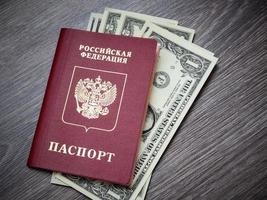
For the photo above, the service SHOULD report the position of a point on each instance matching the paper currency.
(94, 22)
(181, 31)
(111, 19)
(181, 72)
(142, 194)
(192, 65)
(132, 24)
(55, 180)
(152, 26)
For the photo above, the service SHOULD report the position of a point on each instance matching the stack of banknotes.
(181, 71)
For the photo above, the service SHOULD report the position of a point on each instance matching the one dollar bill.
(132, 24)
(141, 195)
(181, 31)
(94, 22)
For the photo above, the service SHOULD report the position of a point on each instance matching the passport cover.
(94, 106)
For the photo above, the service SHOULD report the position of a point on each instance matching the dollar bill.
(186, 33)
(111, 19)
(181, 31)
(131, 25)
(94, 22)
(153, 26)
(181, 71)
(56, 181)
(142, 194)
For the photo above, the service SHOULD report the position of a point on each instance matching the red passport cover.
(94, 106)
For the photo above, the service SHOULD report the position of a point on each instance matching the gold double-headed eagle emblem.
(94, 96)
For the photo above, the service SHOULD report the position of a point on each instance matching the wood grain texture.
(220, 150)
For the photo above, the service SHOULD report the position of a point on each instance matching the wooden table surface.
(219, 151)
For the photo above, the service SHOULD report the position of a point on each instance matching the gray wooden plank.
(219, 152)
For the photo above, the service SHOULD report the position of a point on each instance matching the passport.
(94, 107)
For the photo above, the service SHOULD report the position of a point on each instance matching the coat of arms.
(94, 96)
